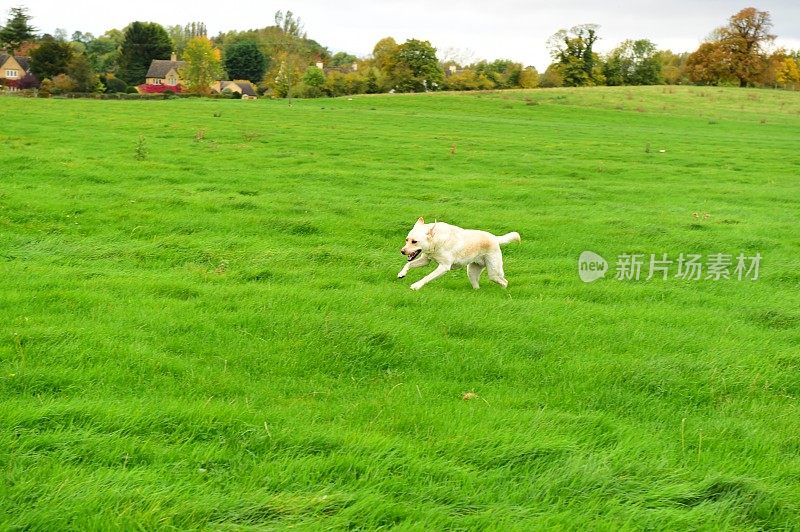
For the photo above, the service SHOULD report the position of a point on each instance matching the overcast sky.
(474, 29)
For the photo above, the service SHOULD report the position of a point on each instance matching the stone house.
(165, 72)
(12, 69)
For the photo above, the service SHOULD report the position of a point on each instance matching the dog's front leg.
(438, 272)
(419, 262)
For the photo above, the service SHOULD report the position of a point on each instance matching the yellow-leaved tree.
(203, 65)
(788, 73)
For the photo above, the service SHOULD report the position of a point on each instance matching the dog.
(453, 247)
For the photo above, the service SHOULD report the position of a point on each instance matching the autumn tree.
(745, 38)
(286, 72)
(17, 30)
(383, 54)
(788, 73)
(673, 66)
(573, 50)
(782, 70)
(142, 42)
(203, 65)
(736, 51)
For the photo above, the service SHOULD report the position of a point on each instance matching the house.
(12, 69)
(164, 72)
(245, 88)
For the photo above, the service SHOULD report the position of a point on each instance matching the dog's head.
(418, 240)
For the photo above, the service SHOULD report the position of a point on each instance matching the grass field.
(212, 334)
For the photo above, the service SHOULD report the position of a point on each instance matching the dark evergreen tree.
(17, 30)
(143, 42)
(244, 60)
(51, 58)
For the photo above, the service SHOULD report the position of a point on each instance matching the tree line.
(280, 59)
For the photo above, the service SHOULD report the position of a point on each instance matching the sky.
(465, 30)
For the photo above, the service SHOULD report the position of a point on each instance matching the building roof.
(159, 68)
(23, 61)
(247, 88)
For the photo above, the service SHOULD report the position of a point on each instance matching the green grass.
(214, 336)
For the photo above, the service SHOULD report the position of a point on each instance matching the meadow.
(202, 325)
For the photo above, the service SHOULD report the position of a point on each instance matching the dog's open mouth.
(414, 255)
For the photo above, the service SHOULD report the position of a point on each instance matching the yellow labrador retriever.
(453, 247)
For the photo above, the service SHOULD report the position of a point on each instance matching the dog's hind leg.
(494, 265)
(474, 273)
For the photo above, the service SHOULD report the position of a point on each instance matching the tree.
(342, 59)
(313, 79)
(143, 42)
(17, 30)
(633, 63)
(203, 65)
(61, 84)
(788, 72)
(745, 38)
(551, 77)
(416, 67)
(290, 24)
(285, 74)
(180, 35)
(573, 50)
(468, 79)
(244, 60)
(735, 51)
(80, 70)
(103, 51)
(50, 59)
(709, 64)
(528, 78)
(383, 54)
(673, 66)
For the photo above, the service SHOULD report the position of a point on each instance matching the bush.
(115, 85)
(132, 90)
(63, 84)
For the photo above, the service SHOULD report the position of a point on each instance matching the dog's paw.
(416, 286)
(401, 275)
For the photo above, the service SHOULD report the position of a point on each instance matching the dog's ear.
(420, 221)
(430, 231)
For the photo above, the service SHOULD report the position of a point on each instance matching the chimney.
(173, 57)
(452, 69)
(355, 66)
(319, 65)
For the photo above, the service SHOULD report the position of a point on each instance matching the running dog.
(453, 247)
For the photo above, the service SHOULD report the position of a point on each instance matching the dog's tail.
(509, 237)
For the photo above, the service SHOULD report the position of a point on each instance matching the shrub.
(63, 84)
(147, 88)
(115, 85)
